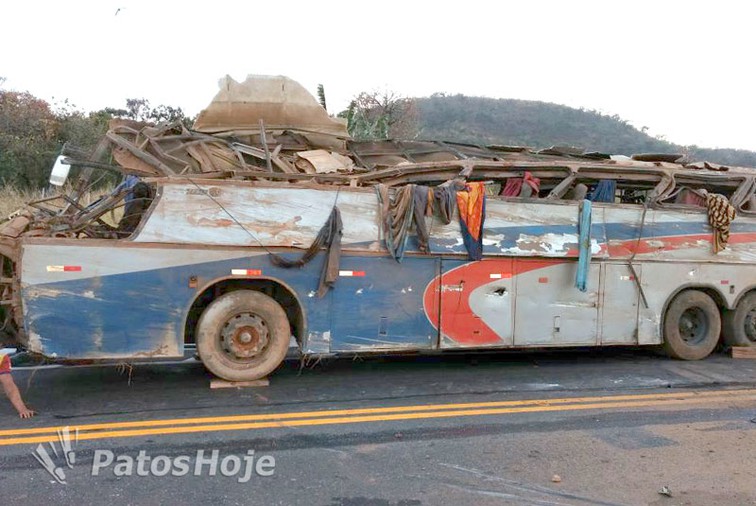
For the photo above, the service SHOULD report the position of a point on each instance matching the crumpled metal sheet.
(170, 149)
(320, 161)
(281, 103)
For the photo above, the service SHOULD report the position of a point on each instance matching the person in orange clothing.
(11, 390)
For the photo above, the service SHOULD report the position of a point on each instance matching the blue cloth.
(584, 246)
(128, 182)
(604, 191)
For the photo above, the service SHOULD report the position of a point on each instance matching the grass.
(12, 199)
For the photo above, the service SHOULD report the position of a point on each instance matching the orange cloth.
(470, 204)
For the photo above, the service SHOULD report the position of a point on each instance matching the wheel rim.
(244, 337)
(750, 325)
(693, 326)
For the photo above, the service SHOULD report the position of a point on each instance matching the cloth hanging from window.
(396, 217)
(721, 213)
(328, 237)
(584, 246)
(422, 207)
(472, 210)
(445, 200)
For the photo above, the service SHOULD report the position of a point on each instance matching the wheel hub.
(693, 325)
(245, 335)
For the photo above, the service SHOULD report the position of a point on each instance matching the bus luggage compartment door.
(550, 310)
(619, 304)
(476, 300)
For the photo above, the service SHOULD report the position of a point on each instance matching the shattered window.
(618, 188)
(527, 184)
(690, 192)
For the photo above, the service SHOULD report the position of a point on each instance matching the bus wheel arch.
(691, 324)
(275, 289)
(243, 335)
(739, 324)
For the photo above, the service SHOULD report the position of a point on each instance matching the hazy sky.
(683, 69)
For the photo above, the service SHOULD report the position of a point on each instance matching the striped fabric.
(721, 213)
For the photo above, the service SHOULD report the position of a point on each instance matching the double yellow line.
(364, 415)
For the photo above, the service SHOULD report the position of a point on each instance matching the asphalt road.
(605, 427)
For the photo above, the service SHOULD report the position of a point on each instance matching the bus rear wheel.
(243, 336)
(691, 326)
(740, 324)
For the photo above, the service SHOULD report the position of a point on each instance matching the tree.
(321, 97)
(381, 115)
(139, 109)
(28, 139)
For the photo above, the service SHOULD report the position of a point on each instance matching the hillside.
(539, 124)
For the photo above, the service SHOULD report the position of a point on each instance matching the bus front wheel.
(740, 324)
(691, 326)
(243, 335)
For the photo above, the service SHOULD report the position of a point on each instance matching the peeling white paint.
(97, 339)
(35, 342)
(552, 243)
(359, 292)
(312, 293)
(459, 242)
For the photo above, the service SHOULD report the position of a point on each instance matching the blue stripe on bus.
(142, 313)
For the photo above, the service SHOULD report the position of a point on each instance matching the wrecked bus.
(239, 236)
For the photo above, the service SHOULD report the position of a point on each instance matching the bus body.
(146, 295)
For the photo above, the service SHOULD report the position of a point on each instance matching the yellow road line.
(750, 397)
(369, 411)
(360, 411)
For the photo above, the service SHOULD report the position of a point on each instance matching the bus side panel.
(550, 310)
(477, 303)
(128, 301)
(82, 313)
(661, 280)
(541, 228)
(619, 304)
(378, 304)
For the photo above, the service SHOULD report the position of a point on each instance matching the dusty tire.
(243, 335)
(739, 325)
(691, 326)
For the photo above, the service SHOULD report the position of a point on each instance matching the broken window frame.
(738, 185)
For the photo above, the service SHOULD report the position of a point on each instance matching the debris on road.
(556, 479)
(216, 383)
(665, 491)
(743, 352)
